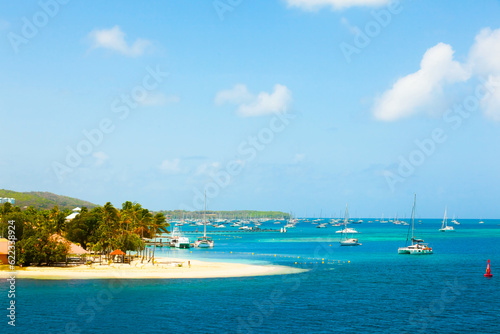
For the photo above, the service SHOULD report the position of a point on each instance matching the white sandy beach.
(162, 269)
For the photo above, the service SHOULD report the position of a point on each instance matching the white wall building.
(6, 199)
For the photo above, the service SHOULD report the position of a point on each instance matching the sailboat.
(204, 241)
(344, 240)
(177, 240)
(454, 221)
(444, 225)
(417, 246)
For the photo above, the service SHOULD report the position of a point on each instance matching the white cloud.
(311, 5)
(171, 166)
(484, 56)
(100, 157)
(237, 95)
(262, 104)
(423, 87)
(411, 93)
(114, 39)
(484, 60)
(207, 168)
(491, 103)
(158, 100)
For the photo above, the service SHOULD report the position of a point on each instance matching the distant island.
(235, 214)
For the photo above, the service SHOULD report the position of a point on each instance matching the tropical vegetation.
(40, 234)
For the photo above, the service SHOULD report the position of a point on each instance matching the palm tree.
(142, 219)
(158, 225)
(56, 220)
(110, 217)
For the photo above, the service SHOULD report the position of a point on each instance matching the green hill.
(44, 200)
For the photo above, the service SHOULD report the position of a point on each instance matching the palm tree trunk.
(154, 248)
(144, 248)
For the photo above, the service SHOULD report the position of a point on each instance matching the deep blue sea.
(364, 289)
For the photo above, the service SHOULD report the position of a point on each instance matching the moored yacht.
(344, 239)
(177, 240)
(417, 246)
(444, 225)
(347, 230)
(204, 241)
(454, 221)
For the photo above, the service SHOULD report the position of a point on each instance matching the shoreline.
(164, 268)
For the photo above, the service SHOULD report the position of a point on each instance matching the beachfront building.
(7, 200)
(76, 212)
(76, 254)
(4, 250)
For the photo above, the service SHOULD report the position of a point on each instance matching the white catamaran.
(204, 241)
(444, 225)
(417, 246)
(344, 239)
(178, 240)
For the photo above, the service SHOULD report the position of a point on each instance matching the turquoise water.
(365, 289)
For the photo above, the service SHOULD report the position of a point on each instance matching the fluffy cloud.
(421, 88)
(208, 168)
(484, 56)
(256, 105)
(311, 5)
(114, 39)
(171, 166)
(484, 60)
(437, 69)
(491, 103)
(239, 94)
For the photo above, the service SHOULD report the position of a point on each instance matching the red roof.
(117, 252)
(73, 249)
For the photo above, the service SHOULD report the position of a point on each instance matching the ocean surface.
(364, 289)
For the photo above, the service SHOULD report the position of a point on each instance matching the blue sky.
(292, 105)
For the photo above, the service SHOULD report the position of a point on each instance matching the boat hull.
(350, 244)
(420, 252)
(204, 245)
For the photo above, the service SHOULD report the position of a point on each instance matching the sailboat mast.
(413, 218)
(445, 218)
(204, 219)
(346, 220)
